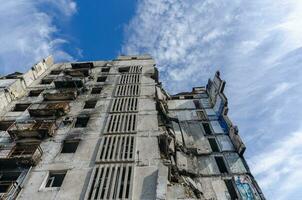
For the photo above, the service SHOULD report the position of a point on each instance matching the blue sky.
(257, 45)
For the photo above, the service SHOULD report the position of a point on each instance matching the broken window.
(55, 72)
(55, 179)
(221, 164)
(20, 107)
(96, 90)
(82, 121)
(35, 93)
(105, 69)
(46, 81)
(102, 79)
(189, 97)
(123, 69)
(4, 125)
(90, 104)
(207, 128)
(82, 65)
(214, 145)
(23, 150)
(201, 115)
(7, 180)
(70, 146)
(231, 189)
(197, 105)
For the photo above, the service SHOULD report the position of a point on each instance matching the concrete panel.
(235, 163)
(181, 104)
(216, 127)
(225, 143)
(207, 165)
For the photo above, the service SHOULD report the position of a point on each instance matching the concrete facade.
(108, 130)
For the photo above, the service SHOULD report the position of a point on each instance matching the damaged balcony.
(49, 109)
(25, 154)
(61, 95)
(81, 72)
(38, 129)
(11, 183)
(69, 82)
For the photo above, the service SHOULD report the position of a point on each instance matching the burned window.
(175, 97)
(207, 128)
(20, 107)
(34, 93)
(101, 78)
(70, 146)
(4, 125)
(90, 104)
(214, 145)
(97, 90)
(221, 164)
(105, 69)
(188, 97)
(7, 180)
(55, 72)
(23, 150)
(46, 81)
(82, 65)
(55, 179)
(81, 121)
(123, 69)
(231, 189)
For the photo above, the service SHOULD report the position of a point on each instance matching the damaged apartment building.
(108, 130)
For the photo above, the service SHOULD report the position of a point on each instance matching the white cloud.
(27, 32)
(257, 45)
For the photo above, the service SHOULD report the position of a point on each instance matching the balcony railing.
(25, 154)
(38, 129)
(61, 95)
(49, 109)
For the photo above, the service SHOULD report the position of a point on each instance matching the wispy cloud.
(28, 31)
(257, 45)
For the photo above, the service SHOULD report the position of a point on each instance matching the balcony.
(236, 140)
(25, 154)
(11, 183)
(49, 109)
(61, 95)
(69, 82)
(31, 129)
